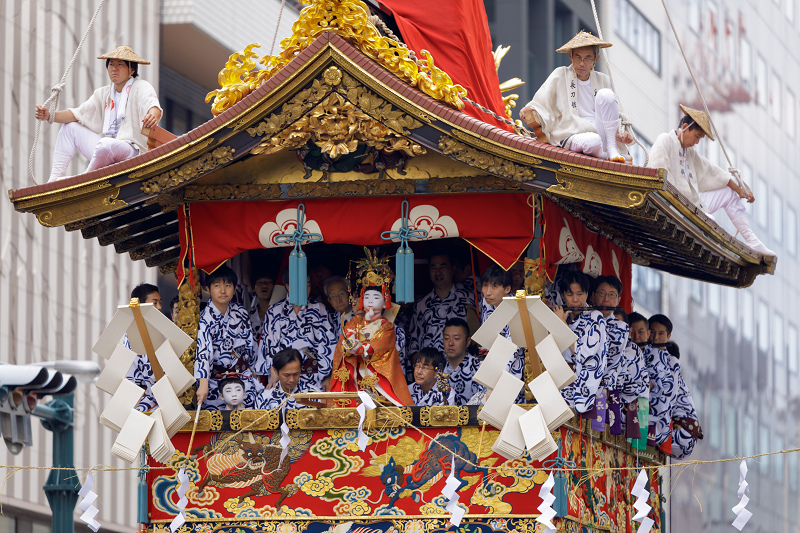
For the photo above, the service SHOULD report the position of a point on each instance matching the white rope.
(277, 27)
(624, 121)
(734, 171)
(52, 103)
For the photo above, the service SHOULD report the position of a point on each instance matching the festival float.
(348, 136)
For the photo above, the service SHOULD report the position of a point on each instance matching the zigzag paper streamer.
(547, 513)
(183, 486)
(742, 514)
(366, 405)
(285, 440)
(450, 492)
(642, 507)
(87, 503)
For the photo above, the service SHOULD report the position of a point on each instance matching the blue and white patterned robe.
(616, 341)
(141, 374)
(309, 332)
(662, 393)
(682, 441)
(461, 382)
(516, 366)
(589, 360)
(426, 399)
(273, 398)
(218, 337)
(255, 320)
(634, 378)
(430, 315)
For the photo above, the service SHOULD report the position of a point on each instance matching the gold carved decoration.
(215, 422)
(350, 20)
(479, 159)
(444, 415)
(259, 419)
(392, 417)
(236, 420)
(206, 163)
(470, 184)
(324, 418)
(339, 123)
(626, 191)
(188, 320)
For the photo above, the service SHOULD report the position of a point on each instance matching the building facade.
(739, 348)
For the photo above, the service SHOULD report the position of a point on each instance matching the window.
(790, 115)
(730, 39)
(779, 459)
(732, 431)
(763, 326)
(746, 64)
(714, 297)
(732, 309)
(775, 90)
(789, 9)
(749, 434)
(762, 209)
(776, 210)
(763, 447)
(639, 34)
(790, 238)
(747, 315)
(693, 15)
(696, 290)
(791, 348)
(779, 348)
(793, 465)
(713, 31)
(761, 81)
(715, 421)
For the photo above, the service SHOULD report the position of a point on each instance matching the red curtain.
(456, 33)
(566, 240)
(499, 225)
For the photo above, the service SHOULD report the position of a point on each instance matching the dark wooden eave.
(133, 204)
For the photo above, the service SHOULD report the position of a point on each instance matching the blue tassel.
(409, 276)
(298, 272)
(560, 492)
(400, 279)
(404, 259)
(142, 516)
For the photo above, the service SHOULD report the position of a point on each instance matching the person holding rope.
(106, 129)
(576, 108)
(705, 184)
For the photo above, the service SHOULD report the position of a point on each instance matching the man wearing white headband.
(106, 129)
(705, 184)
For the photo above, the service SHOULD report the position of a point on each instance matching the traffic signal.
(20, 389)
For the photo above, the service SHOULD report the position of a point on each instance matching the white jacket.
(142, 97)
(703, 174)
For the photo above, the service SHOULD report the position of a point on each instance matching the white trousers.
(100, 151)
(606, 110)
(724, 198)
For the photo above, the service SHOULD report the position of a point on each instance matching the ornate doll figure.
(232, 388)
(366, 356)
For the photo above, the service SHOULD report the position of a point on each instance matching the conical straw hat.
(124, 53)
(700, 118)
(582, 39)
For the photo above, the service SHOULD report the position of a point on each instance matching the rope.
(376, 21)
(624, 121)
(277, 27)
(734, 171)
(52, 103)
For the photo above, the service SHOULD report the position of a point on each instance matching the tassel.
(560, 492)
(404, 259)
(400, 278)
(298, 272)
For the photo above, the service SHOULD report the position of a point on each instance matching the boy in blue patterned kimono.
(263, 286)
(224, 344)
(686, 430)
(307, 329)
(287, 365)
(662, 384)
(607, 295)
(588, 355)
(427, 363)
(461, 364)
(445, 301)
(140, 372)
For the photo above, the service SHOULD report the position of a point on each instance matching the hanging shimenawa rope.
(52, 103)
(734, 171)
(624, 121)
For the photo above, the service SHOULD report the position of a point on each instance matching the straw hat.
(582, 39)
(700, 118)
(125, 53)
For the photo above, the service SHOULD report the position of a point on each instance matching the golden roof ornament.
(350, 20)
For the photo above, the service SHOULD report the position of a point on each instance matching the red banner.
(499, 225)
(566, 240)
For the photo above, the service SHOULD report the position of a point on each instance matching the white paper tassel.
(742, 514)
(87, 503)
(366, 405)
(547, 513)
(183, 486)
(642, 507)
(450, 492)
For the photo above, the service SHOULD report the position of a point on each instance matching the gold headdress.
(374, 271)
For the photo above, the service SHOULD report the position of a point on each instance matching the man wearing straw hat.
(575, 108)
(106, 128)
(705, 184)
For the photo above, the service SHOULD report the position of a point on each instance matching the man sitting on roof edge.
(106, 129)
(575, 108)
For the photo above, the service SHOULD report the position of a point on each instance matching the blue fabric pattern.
(310, 332)
(616, 341)
(461, 379)
(634, 379)
(273, 398)
(141, 374)
(662, 393)
(682, 441)
(430, 315)
(425, 399)
(589, 360)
